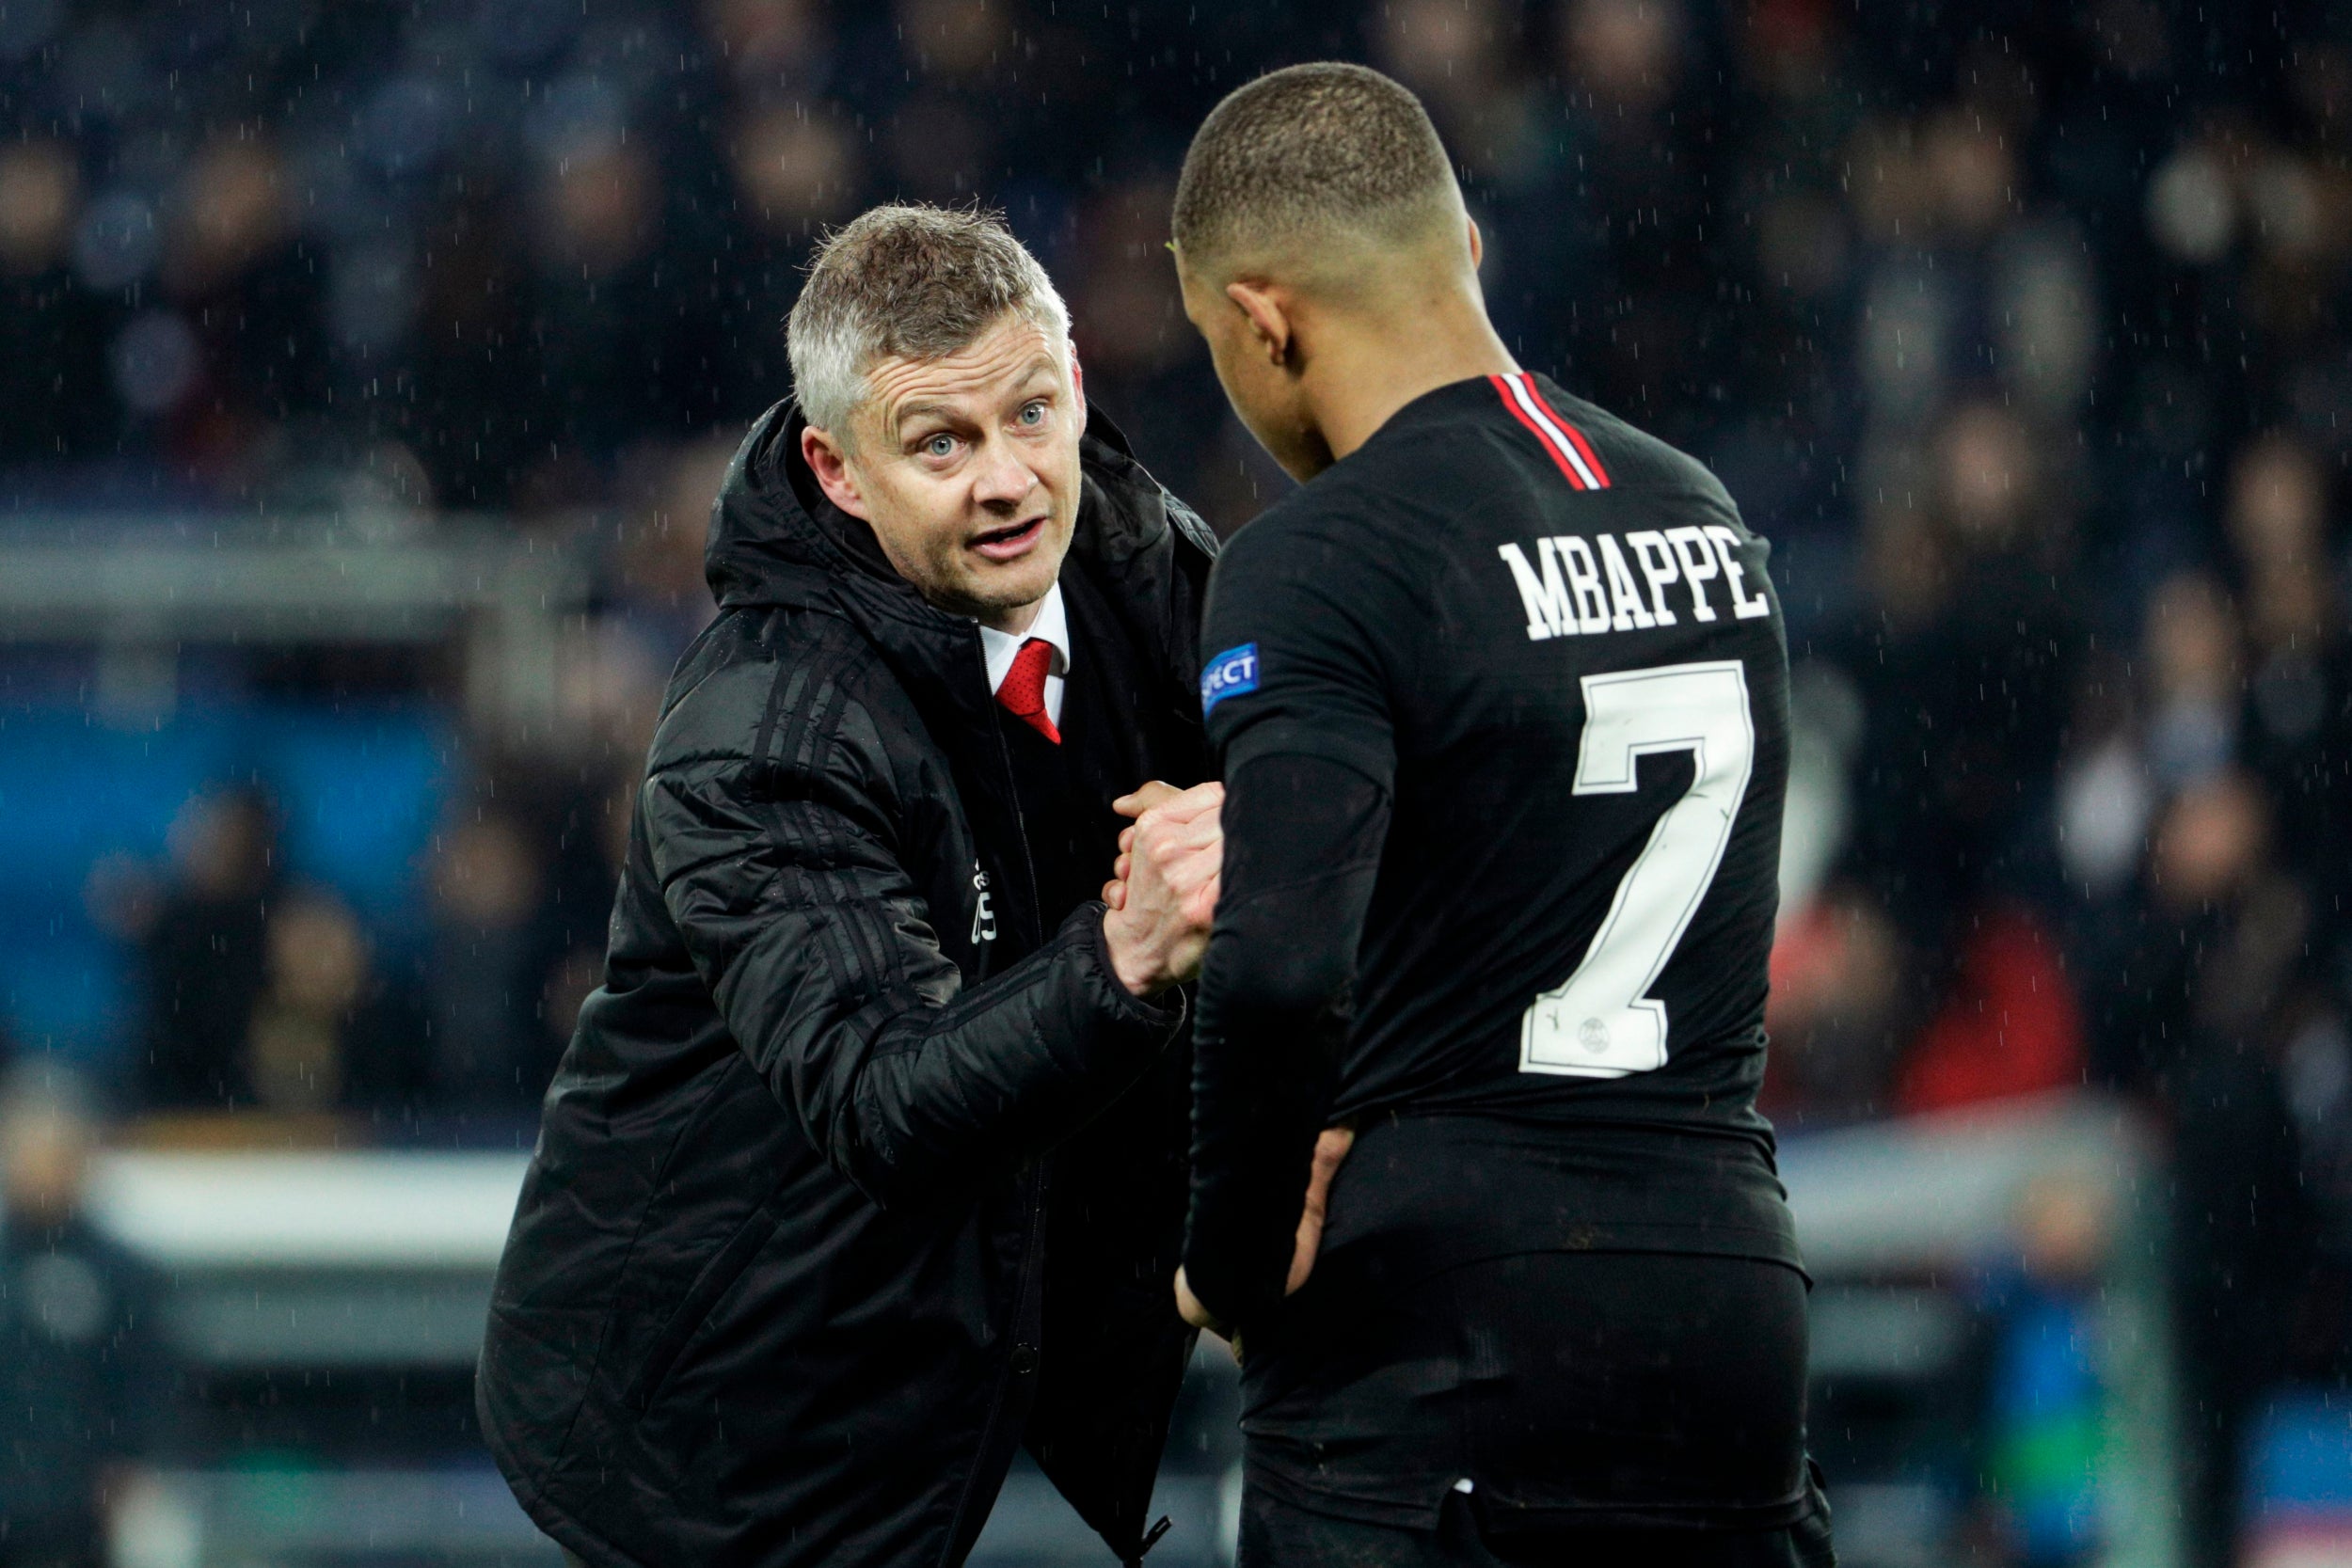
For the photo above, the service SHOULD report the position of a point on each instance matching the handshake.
(1163, 889)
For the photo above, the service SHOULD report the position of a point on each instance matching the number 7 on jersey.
(1601, 1021)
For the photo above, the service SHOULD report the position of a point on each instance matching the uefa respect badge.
(1229, 674)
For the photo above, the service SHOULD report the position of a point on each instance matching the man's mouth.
(1010, 542)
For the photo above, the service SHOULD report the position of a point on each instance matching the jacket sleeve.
(816, 945)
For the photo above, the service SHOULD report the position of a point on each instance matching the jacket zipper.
(1028, 1307)
(1000, 1434)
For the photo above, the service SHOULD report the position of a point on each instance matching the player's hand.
(1331, 1146)
(1189, 1308)
(1161, 897)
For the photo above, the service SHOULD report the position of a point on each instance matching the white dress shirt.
(1053, 624)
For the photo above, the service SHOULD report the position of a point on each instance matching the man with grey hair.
(866, 1165)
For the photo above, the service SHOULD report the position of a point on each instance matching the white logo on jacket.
(983, 912)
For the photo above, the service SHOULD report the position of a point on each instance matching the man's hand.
(1163, 889)
(1331, 1146)
(1189, 1308)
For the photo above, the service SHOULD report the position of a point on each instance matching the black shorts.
(1279, 1534)
(1575, 1390)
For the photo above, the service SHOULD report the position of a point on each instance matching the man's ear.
(1477, 244)
(1078, 384)
(827, 461)
(1269, 318)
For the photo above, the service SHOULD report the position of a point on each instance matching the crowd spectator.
(2200, 1003)
(481, 976)
(85, 1381)
(2043, 1378)
(330, 1032)
(1838, 1012)
(205, 950)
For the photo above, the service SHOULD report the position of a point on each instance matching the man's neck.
(1012, 622)
(1365, 368)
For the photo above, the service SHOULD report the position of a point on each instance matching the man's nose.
(1003, 480)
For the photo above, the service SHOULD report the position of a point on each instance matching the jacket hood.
(776, 540)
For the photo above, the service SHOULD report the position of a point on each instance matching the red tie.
(1023, 693)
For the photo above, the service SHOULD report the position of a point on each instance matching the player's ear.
(1269, 322)
(1477, 244)
(831, 465)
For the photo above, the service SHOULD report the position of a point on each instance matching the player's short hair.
(910, 281)
(1310, 152)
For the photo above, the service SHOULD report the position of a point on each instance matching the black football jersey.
(1553, 643)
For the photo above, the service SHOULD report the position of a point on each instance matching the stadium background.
(365, 373)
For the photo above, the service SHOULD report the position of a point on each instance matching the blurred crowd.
(2020, 329)
(264, 993)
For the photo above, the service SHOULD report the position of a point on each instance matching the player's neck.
(1365, 371)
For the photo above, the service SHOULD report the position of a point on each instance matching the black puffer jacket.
(808, 1244)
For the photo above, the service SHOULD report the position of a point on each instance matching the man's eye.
(1033, 414)
(940, 446)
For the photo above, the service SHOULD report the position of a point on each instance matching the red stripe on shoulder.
(1559, 458)
(1583, 448)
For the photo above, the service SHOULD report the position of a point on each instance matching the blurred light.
(64, 1296)
(764, 40)
(38, 192)
(154, 1525)
(1441, 48)
(1985, 475)
(389, 496)
(598, 209)
(2104, 805)
(228, 209)
(117, 242)
(956, 38)
(1973, 176)
(796, 169)
(155, 361)
(2189, 208)
(1626, 52)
